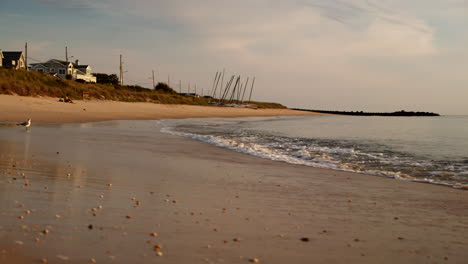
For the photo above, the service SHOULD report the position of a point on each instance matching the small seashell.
(45, 231)
(92, 260)
(21, 217)
(62, 257)
(174, 201)
(109, 185)
(44, 260)
(138, 203)
(18, 242)
(154, 234)
(128, 216)
(236, 239)
(157, 247)
(254, 260)
(159, 254)
(37, 240)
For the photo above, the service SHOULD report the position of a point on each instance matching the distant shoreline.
(361, 113)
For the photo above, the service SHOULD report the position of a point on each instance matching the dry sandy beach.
(122, 192)
(50, 110)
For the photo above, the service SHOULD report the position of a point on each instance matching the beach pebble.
(92, 260)
(90, 227)
(45, 231)
(154, 234)
(128, 217)
(157, 247)
(138, 203)
(159, 254)
(62, 257)
(18, 242)
(37, 240)
(109, 185)
(305, 239)
(21, 217)
(44, 260)
(254, 260)
(236, 239)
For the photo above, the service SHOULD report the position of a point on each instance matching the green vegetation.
(27, 83)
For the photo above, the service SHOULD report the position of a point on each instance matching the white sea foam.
(299, 152)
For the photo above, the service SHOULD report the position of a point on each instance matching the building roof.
(54, 62)
(12, 55)
(9, 56)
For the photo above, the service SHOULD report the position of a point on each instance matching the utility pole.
(121, 71)
(26, 55)
(180, 86)
(66, 54)
(153, 81)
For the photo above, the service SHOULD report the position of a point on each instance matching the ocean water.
(424, 149)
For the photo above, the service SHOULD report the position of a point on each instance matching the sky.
(369, 55)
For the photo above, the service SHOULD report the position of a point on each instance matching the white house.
(62, 69)
(13, 60)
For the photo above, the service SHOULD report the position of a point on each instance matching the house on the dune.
(13, 59)
(64, 69)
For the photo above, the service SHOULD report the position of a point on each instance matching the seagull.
(25, 124)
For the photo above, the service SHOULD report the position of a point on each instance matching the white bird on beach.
(25, 124)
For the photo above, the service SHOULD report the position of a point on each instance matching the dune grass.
(28, 83)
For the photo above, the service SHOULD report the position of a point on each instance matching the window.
(40, 70)
(13, 62)
(61, 71)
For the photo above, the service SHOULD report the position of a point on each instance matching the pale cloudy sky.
(372, 55)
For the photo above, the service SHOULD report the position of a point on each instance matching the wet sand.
(101, 190)
(50, 110)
